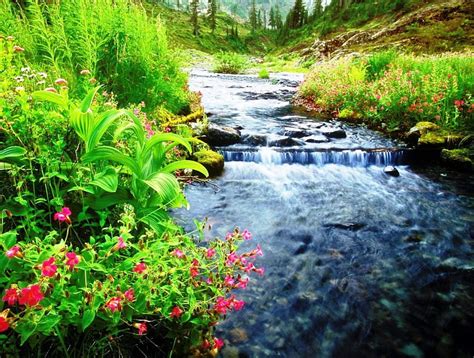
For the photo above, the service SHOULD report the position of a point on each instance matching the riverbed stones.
(391, 171)
(315, 138)
(220, 136)
(283, 142)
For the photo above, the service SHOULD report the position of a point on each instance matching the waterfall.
(357, 157)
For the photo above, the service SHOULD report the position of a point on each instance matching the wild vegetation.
(396, 91)
(93, 264)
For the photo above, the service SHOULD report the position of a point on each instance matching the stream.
(357, 263)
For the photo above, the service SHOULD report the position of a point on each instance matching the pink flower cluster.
(222, 304)
(28, 296)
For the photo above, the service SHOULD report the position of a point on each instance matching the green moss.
(425, 127)
(213, 161)
(432, 139)
(461, 159)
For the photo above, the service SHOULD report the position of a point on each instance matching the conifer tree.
(211, 13)
(253, 16)
(317, 9)
(278, 19)
(194, 16)
(272, 22)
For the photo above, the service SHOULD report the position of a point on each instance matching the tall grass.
(123, 47)
(398, 90)
(230, 62)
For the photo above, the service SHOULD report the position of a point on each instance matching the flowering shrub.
(398, 90)
(91, 262)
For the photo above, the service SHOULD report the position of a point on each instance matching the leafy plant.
(230, 62)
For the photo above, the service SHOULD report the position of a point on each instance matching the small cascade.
(353, 158)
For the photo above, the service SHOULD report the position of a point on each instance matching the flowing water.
(358, 263)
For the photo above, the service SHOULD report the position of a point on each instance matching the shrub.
(91, 260)
(400, 90)
(264, 74)
(115, 41)
(230, 62)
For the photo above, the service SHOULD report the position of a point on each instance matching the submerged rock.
(213, 161)
(217, 135)
(254, 139)
(283, 142)
(315, 139)
(332, 132)
(294, 133)
(392, 171)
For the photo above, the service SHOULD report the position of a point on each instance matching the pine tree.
(211, 13)
(278, 19)
(272, 22)
(298, 14)
(259, 19)
(253, 16)
(264, 20)
(194, 16)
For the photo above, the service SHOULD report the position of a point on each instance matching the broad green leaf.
(88, 99)
(165, 185)
(87, 318)
(113, 155)
(185, 164)
(106, 180)
(101, 124)
(106, 200)
(82, 123)
(165, 137)
(52, 97)
(12, 152)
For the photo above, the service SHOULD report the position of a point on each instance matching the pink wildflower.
(142, 328)
(48, 269)
(242, 283)
(72, 260)
(238, 305)
(229, 281)
(4, 325)
(231, 258)
(218, 343)
(121, 244)
(30, 295)
(210, 253)
(114, 304)
(246, 235)
(178, 253)
(129, 295)
(140, 267)
(63, 215)
(13, 252)
(176, 312)
(11, 296)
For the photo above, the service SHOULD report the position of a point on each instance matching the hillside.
(425, 27)
(179, 30)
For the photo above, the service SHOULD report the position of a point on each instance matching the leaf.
(25, 328)
(87, 318)
(106, 180)
(88, 99)
(185, 164)
(156, 219)
(82, 123)
(165, 185)
(12, 152)
(112, 154)
(52, 97)
(165, 137)
(106, 200)
(102, 123)
(47, 323)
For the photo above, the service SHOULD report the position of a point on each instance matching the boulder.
(392, 171)
(254, 139)
(217, 135)
(294, 133)
(283, 142)
(332, 132)
(213, 161)
(432, 140)
(315, 139)
(421, 128)
(460, 159)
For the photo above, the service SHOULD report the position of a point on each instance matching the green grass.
(230, 62)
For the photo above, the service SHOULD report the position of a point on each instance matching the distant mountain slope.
(427, 27)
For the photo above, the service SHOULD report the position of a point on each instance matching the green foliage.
(230, 62)
(264, 74)
(90, 254)
(400, 90)
(115, 41)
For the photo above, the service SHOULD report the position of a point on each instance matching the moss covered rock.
(432, 140)
(460, 159)
(421, 129)
(213, 161)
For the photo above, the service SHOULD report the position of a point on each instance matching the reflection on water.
(358, 263)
